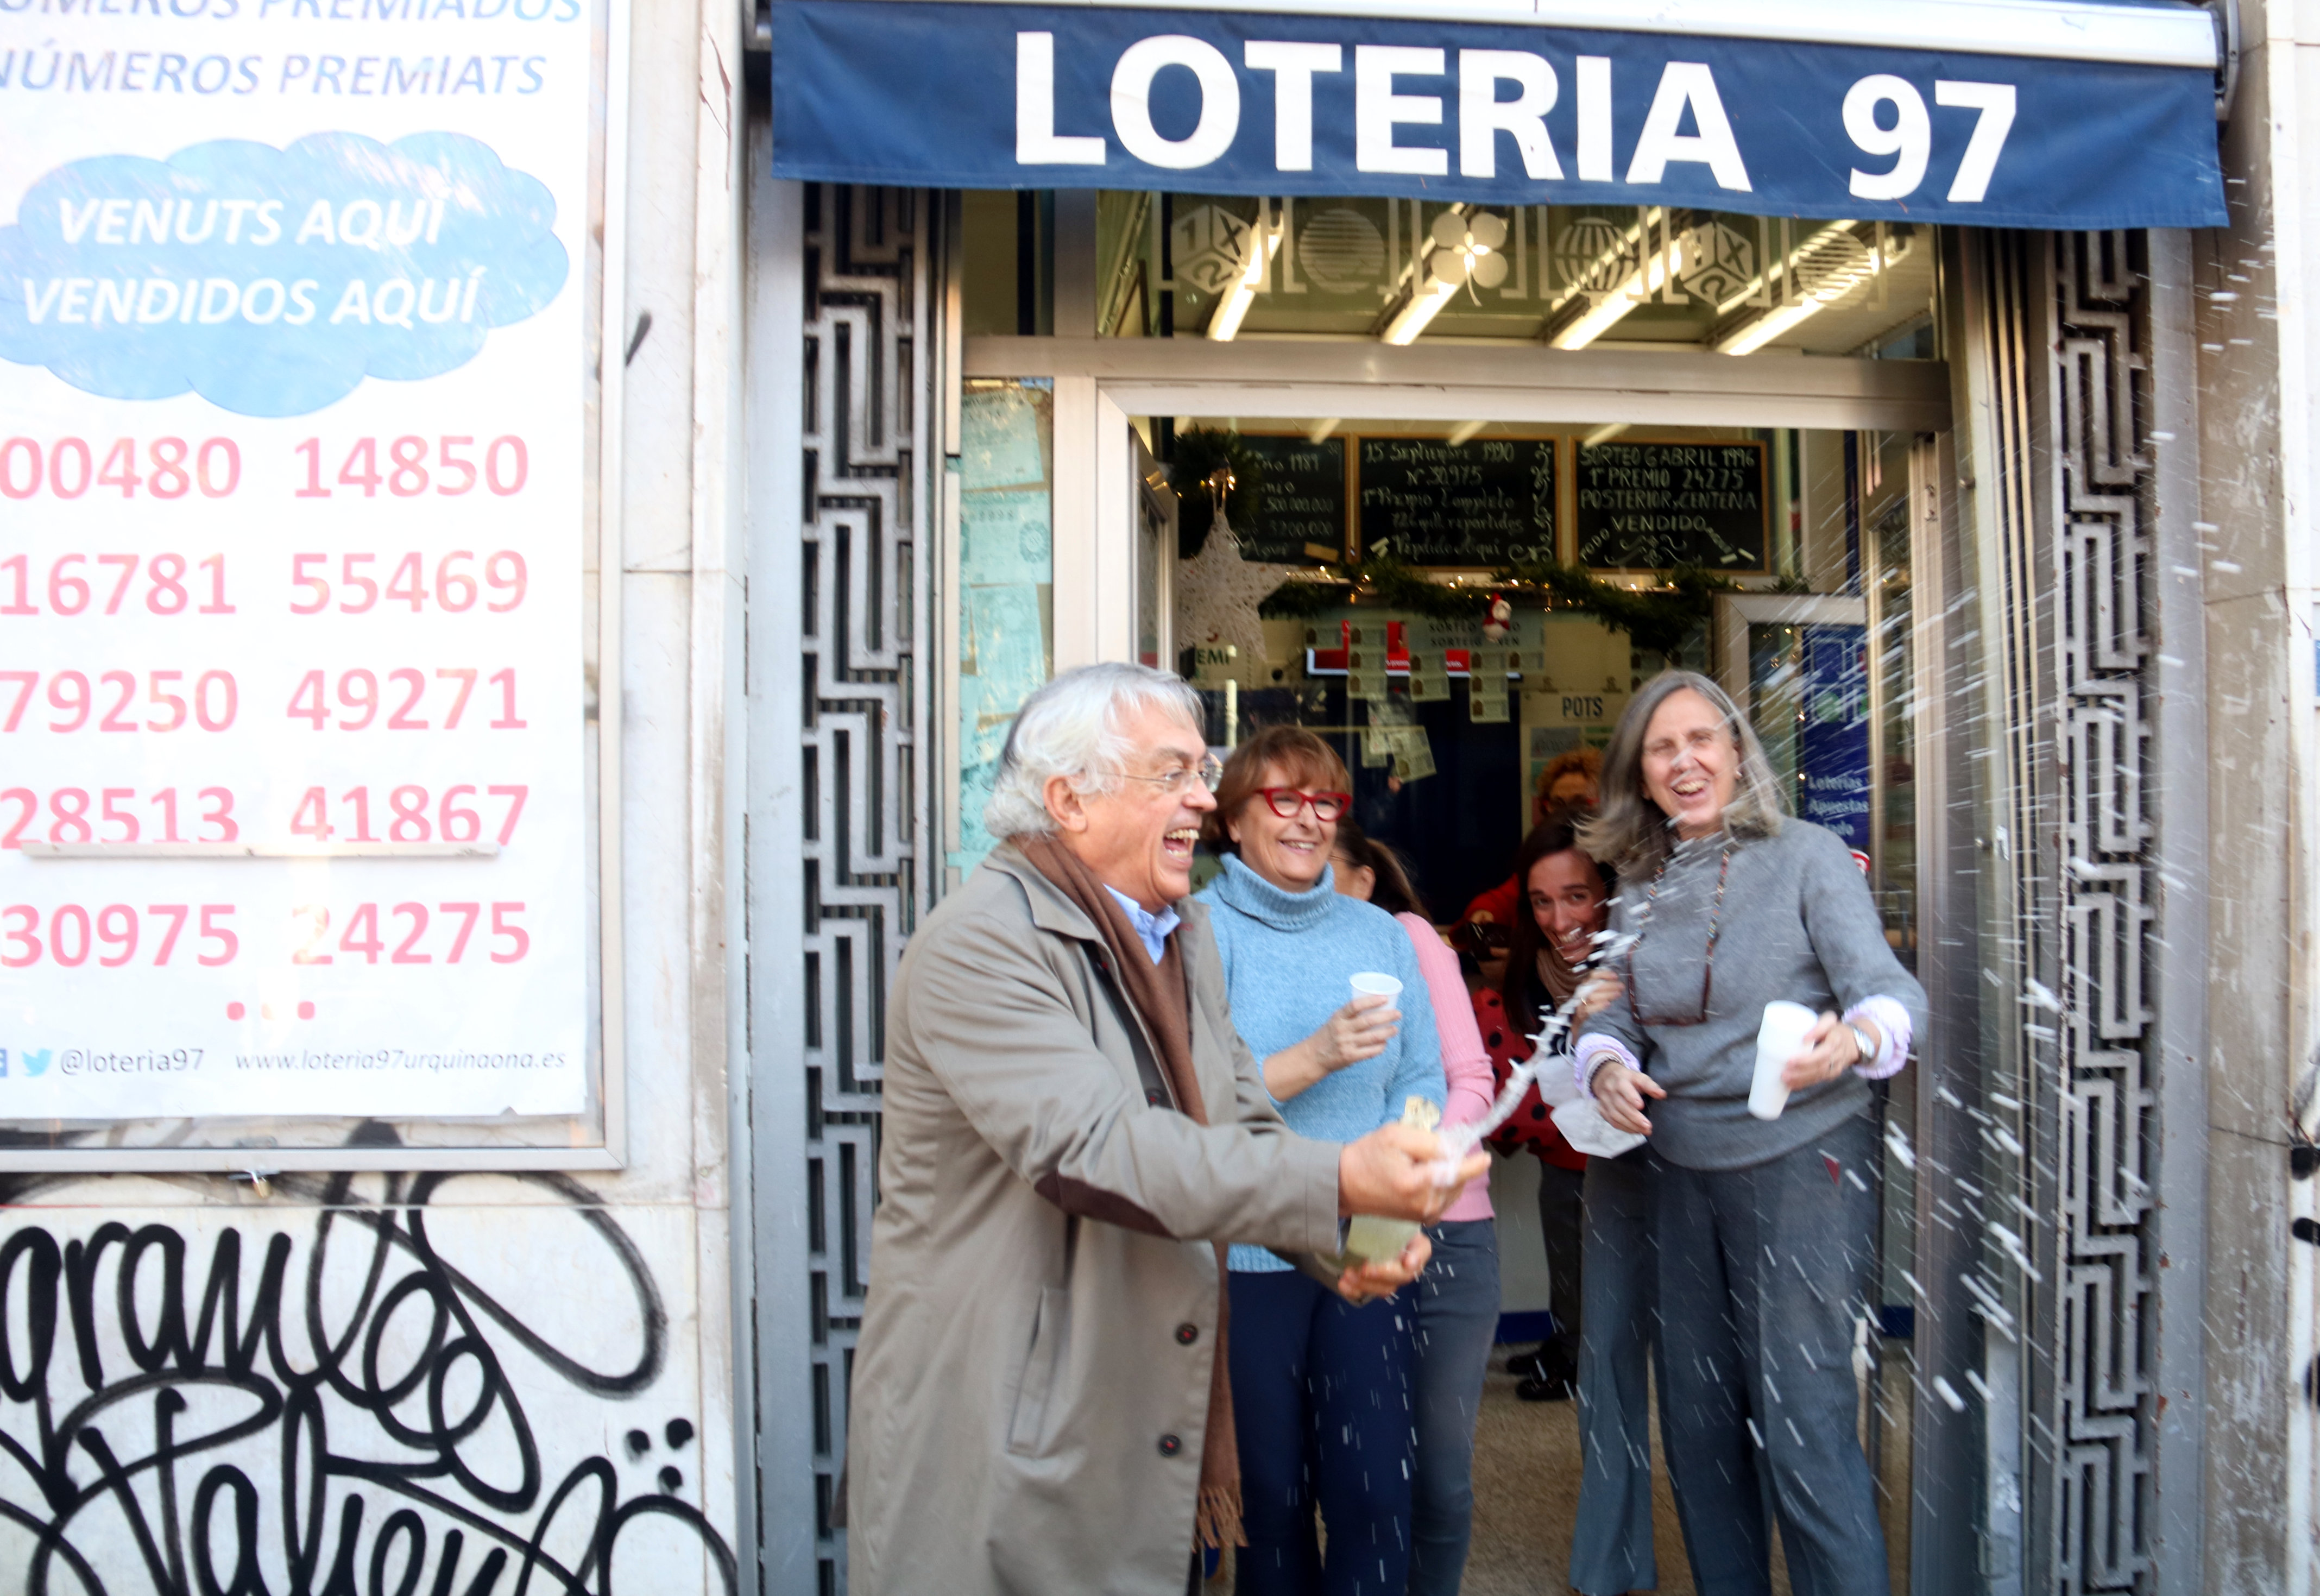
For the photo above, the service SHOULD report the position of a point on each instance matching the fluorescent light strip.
(1427, 300)
(1608, 312)
(1464, 430)
(1232, 310)
(1774, 323)
(1423, 306)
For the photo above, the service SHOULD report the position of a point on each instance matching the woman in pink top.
(1458, 1295)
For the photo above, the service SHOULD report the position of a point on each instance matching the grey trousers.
(1611, 1543)
(1763, 1272)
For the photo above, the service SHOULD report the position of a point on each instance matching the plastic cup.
(1371, 983)
(1780, 1039)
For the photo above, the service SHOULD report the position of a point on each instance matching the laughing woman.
(1766, 1228)
(1321, 1392)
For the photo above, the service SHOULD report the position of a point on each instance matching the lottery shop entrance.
(1405, 588)
(1347, 489)
(1946, 612)
(1885, 631)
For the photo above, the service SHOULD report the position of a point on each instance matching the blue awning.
(1985, 113)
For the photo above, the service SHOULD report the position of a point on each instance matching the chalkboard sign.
(1648, 506)
(1488, 502)
(1304, 500)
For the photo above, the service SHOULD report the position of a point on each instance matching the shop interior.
(1457, 606)
(1451, 767)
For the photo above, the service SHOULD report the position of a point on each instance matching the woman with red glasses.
(1766, 1226)
(1321, 1393)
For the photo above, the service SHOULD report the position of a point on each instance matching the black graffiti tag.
(238, 1438)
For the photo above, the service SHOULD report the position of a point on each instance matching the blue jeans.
(1321, 1402)
(1457, 1322)
(1763, 1272)
(1611, 1542)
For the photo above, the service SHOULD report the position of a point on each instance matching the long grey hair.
(1629, 831)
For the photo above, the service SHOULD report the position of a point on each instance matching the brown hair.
(1588, 762)
(1558, 833)
(1393, 893)
(1303, 758)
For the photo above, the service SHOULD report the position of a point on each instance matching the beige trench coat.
(1030, 1389)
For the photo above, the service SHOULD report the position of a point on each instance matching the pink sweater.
(1465, 1066)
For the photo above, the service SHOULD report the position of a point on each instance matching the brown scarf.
(1556, 973)
(1161, 996)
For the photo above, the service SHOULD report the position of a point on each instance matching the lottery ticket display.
(293, 363)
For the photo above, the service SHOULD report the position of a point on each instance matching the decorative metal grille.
(2105, 1113)
(863, 419)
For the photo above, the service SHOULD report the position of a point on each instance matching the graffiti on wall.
(360, 1403)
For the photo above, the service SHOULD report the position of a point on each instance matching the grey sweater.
(1798, 923)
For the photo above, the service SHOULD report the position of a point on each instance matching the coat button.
(1187, 1334)
(1170, 1446)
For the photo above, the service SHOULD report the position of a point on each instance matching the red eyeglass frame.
(1272, 796)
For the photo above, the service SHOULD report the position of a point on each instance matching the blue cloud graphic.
(271, 282)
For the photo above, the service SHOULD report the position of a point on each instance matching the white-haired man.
(1073, 1131)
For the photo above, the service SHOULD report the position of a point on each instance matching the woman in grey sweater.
(1766, 1228)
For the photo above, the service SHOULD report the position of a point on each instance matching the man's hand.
(1619, 1092)
(1390, 1172)
(1367, 1282)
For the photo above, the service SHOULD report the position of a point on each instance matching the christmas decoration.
(1218, 594)
(1215, 473)
(1656, 620)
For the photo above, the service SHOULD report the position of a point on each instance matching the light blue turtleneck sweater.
(1288, 958)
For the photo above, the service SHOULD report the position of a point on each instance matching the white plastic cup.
(1780, 1039)
(1371, 983)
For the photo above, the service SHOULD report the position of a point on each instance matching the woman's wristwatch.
(1861, 1044)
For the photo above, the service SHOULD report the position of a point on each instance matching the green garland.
(1382, 580)
(1656, 620)
(1200, 452)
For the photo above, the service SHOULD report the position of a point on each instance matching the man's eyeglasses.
(1209, 772)
(1287, 800)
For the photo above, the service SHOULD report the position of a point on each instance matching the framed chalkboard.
(1304, 499)
(1485, 503)
(1648, 506)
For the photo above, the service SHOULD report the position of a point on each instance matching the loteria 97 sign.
(294, 356)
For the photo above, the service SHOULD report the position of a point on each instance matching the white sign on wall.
(293, 346)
